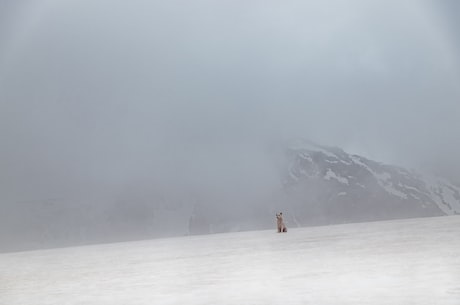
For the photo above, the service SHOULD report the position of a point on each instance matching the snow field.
(414, 261)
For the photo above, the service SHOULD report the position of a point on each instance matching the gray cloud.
(100, 95)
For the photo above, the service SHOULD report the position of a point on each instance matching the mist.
(105, 101)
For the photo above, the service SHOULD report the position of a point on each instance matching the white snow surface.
(414, 261)
(331, 175)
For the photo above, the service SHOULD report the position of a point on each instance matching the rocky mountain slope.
(326, 185)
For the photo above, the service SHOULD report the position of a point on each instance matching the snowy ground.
(396, 262)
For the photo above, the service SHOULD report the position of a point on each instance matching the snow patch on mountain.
(384, 179)
(331, 175)
(445, 194)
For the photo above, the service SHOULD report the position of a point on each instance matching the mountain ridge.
(397, 191)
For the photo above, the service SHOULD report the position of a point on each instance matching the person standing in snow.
(280, 223)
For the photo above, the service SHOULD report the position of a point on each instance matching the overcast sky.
(100, 94)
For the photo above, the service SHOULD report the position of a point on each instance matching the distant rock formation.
(325, 185)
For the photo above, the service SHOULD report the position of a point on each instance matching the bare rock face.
(326, 185)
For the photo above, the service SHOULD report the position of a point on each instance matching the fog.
(107, 100)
